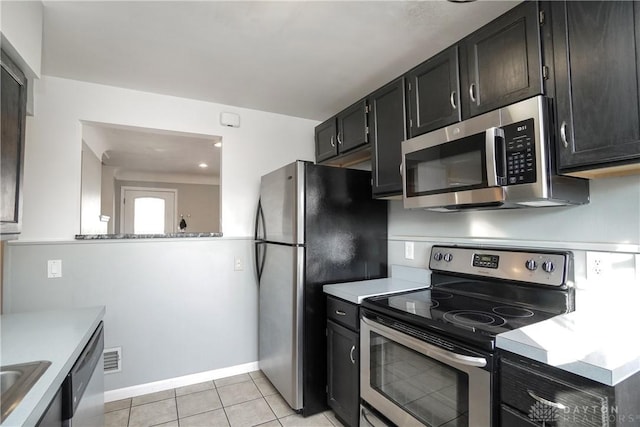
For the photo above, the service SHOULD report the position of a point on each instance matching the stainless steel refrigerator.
(314, 225)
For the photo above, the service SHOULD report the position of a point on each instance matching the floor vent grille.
(112, 360)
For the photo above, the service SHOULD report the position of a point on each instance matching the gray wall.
(200, 201)
(609, 223)
(612, 217)
(176, 307)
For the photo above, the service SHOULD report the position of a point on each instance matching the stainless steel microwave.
(500, 159)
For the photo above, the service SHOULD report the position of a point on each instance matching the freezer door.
(282, 205)
(280, 320)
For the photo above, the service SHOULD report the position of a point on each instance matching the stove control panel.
(485, 260)
(522, 265)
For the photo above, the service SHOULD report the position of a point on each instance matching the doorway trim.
(125, 188)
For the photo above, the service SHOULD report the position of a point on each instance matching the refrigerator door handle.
(260, 259)
(260, 222)
(260, 226)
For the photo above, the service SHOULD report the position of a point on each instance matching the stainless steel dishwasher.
(83, 389)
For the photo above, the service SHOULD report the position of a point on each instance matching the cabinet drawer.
(527, 389)
(343, 312)
(511, 418)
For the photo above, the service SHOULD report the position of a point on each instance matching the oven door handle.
(496, 157)
(429, 349)
(461, 359)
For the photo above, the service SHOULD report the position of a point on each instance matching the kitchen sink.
(15, 383)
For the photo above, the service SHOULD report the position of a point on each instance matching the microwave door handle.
(496, 157)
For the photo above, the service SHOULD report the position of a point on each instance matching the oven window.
(454, 166)
(434, 393)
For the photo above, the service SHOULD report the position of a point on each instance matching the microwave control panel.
(521, 152)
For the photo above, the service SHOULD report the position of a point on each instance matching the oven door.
(413, 382)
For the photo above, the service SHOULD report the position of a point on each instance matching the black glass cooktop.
(459, 313)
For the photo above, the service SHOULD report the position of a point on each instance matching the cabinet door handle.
(472, 92)
(333, 144)
(452, 99)
(563, 134)
(545, 401)
(339, 139)
(401, 169)
(341, 313)
(353, 348)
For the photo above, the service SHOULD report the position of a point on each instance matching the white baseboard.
(138, 390)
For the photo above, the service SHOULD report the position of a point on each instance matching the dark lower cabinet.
(343, 360)
(501, 63)
(536, 394)
(387, 131)
(596, 51)
(13, 94)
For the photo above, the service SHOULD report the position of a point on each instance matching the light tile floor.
(241, 400)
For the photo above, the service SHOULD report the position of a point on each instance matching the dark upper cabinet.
(433, 93)
(387, 131)
(501, 62)
(342, 134)
(12, 127)
(596, 49)
(352, 127)
(498, 65)
(326, 144)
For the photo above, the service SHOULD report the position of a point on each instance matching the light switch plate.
(408, 250)
(54, 268)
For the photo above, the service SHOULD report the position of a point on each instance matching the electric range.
(428, 356)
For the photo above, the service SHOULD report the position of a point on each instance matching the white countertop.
(598, 341)
(56, 336)
(403, 279)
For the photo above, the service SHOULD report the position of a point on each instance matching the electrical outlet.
(408, 250)
(237, 264)
(613, 267)
(598, 265)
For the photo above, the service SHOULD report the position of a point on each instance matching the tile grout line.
(223, 407)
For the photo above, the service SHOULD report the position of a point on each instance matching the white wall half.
(262, 143)
(21, 26)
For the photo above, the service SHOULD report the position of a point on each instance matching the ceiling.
(152, 151)
(300, 58)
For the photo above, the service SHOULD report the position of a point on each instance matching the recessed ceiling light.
(218, 144)
(203, 165)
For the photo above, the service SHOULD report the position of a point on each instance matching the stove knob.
(548, 266)
(531, 265)
(448, 257)
(437, 256)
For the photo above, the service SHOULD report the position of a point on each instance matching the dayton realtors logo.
(599, 415)
(541, 412)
